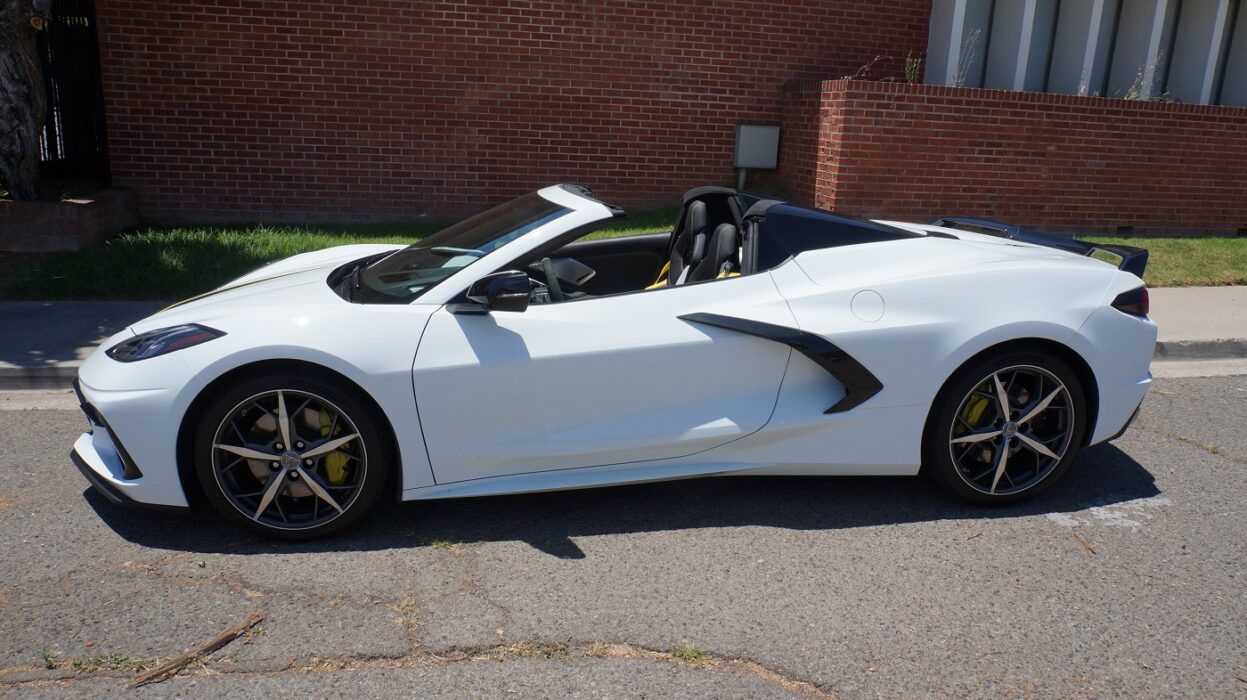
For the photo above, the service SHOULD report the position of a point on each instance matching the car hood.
(297, 280)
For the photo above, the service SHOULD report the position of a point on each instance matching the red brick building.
(1056, 162)
(239, 110)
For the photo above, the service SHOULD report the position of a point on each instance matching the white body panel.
(597, 381)
(619, 389)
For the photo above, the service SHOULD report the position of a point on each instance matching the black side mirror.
(502, 291)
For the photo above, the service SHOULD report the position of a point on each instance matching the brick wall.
(385, 109)
(68, 224)
(1060, 162)
(800, 136)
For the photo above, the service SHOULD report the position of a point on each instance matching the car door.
(597, 381)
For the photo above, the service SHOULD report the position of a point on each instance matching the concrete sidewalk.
(1200, 322)
(44, 342)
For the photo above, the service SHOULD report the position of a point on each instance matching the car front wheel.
(291, 456)
(1005, 427)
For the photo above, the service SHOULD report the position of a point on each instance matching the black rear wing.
(1133, 260)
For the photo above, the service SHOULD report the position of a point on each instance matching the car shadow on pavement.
(550, 522)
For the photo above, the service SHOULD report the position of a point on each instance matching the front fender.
(372, 346)
(375, 353)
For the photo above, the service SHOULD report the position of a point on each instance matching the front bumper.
(102, 477)
(102, 485)
(101, 457)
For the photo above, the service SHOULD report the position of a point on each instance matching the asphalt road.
(1129, 578)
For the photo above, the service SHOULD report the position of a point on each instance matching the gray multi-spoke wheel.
(292, 457)
(1005, 427)
(1012, 429)
(289, 459)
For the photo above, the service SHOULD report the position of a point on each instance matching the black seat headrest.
(690, 247)
(720, 257)
(695, 221)
(725, 242)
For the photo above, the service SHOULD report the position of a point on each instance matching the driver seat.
(690, 247)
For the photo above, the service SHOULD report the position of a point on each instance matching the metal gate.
(74, 142)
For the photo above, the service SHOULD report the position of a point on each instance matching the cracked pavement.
(844, 587)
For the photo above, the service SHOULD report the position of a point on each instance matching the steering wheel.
(552, 280)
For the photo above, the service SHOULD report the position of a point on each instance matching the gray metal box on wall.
(757, 146)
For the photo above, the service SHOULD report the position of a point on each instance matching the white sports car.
(515, 352)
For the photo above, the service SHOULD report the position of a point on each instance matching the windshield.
(402, 276)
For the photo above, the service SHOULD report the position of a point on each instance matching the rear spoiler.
(1133, 260)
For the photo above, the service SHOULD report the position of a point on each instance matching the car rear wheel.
(1005, 427)
(292, 456)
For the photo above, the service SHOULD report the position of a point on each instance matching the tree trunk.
(22, 100)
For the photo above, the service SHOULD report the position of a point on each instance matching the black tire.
(953, 423)
(368, 465)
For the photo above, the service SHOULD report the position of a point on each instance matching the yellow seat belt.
(662, 277)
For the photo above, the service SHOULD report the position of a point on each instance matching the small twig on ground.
(172, 665)
(1083, 541)
(977, 534)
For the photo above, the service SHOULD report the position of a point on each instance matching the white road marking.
(1132, 514)
(1169, 369)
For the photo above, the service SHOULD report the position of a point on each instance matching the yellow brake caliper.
(973, 410)
(335, 462)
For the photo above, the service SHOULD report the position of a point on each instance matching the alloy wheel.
(289, 459)
(1012, 430)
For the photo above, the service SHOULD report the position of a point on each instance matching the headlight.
(161, 341)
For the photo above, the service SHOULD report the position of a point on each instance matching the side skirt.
(579, 478)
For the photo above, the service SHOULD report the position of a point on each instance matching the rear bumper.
(1126, 427)
(1118, 347)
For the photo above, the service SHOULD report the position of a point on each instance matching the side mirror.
(502, 291)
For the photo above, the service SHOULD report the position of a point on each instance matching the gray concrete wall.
(1040, 43)
(1103, 45)
(1234, 87)
(1002, 56)
(1070, 48)
(1131, 58)
(938, 41)
(974, 39)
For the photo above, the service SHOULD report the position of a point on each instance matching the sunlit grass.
(175, 263)
(1190, 262)
(180, 262)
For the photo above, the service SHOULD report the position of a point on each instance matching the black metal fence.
(75, 146)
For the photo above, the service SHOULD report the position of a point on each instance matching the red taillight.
(1133, 302)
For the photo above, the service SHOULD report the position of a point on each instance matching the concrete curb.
(1201, 349)
(28, 378)
(62, 376)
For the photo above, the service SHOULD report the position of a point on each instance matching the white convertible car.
(515, 352)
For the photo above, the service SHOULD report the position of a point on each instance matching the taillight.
(1133, 302)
